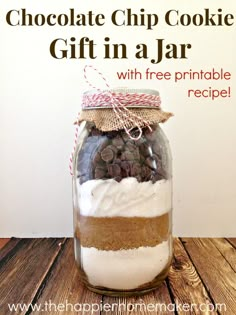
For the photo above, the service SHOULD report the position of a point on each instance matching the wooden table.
(43, 271)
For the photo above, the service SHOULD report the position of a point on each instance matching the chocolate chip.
(114, 155)
(117, 161)
(125, 166)
(145, 173)
(107, 155)
(118, 142)
(136, 154)
(114, 170)
(130, 146)
(113, 148)
(141, 158)
(118, 179)
(135, 169)
(127, 156)
(99, 172)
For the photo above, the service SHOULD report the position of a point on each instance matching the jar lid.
(124, 97)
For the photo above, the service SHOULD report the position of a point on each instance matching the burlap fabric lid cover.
(98, 107)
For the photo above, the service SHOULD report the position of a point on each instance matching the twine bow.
(119, 107)
(120, 110)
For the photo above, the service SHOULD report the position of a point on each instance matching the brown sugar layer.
(121, 232)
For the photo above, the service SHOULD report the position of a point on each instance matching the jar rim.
(120, 91)
(123, 90)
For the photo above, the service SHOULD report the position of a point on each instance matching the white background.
(40, 98)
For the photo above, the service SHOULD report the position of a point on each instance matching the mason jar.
(122, 196)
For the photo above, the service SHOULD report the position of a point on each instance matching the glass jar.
(122, 194)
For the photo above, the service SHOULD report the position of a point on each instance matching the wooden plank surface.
(232, 241)
(215, 272)
(43, 273)
(8, 248)
(226, 250)
(3, 242)
(185, 284)
(64, 285)
(74, 292)
(22, 275)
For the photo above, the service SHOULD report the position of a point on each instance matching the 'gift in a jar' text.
(85, 47)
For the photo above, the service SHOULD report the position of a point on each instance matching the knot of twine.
(118, 102)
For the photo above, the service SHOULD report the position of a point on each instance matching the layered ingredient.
(124, 201)
(124, 269)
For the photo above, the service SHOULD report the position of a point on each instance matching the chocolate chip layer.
(106, 155)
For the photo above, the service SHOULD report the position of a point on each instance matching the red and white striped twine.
(118, 102)
(132, 99)
(74, 146)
